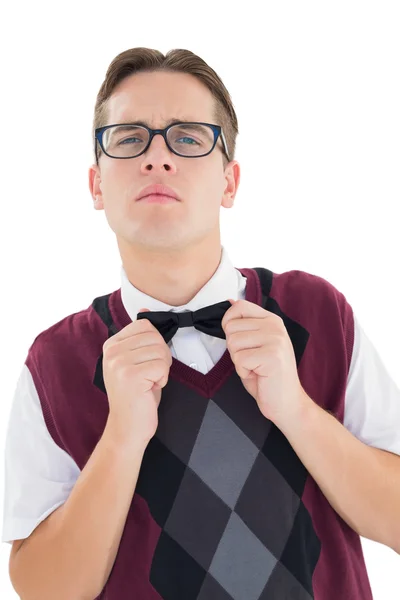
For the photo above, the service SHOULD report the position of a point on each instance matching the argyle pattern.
(225, 534)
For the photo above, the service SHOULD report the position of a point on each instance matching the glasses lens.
(187, 139)
(124, 141)
(191, 139)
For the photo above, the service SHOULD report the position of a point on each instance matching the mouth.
(157, 199)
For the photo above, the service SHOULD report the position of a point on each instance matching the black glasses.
(188, 139)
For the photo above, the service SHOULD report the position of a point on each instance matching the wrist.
(299, 417)
(120, 435)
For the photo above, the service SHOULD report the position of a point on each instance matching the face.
(202, 184)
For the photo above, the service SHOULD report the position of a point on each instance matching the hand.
(263, 355)
(136, 364)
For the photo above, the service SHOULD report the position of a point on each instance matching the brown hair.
(139, 59)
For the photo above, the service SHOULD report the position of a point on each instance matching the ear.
(95, 186)
(232, 176)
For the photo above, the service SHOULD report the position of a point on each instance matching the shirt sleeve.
(372, 401)
(39, 475)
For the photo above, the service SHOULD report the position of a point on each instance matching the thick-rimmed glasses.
(187, 139)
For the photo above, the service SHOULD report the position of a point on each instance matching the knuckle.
(108, 348)
(146, 325)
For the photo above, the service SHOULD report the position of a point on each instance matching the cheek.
(212, 184)
(213, 193)
(117, 183)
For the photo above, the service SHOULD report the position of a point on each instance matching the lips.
(159, 189)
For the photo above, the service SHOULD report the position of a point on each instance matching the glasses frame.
(217, 130)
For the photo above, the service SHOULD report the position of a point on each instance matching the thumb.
(144, 310)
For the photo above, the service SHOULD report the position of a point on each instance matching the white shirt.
(39, 475)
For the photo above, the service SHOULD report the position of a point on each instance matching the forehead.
(159, 97)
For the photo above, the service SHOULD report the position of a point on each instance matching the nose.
(158, 156)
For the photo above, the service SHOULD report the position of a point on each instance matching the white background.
(316, 89)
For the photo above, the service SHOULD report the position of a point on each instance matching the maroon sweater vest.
(223, 508)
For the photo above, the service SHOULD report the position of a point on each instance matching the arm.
(362, 483)
(71, 553)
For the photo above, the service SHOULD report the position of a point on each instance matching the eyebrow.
(147, 124)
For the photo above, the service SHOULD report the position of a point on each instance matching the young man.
(203, 432)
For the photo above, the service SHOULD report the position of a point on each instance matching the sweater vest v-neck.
(223, 507)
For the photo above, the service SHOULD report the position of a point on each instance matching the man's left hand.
(263, 355)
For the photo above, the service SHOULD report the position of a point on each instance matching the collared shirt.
(39, 475)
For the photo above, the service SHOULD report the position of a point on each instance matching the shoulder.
(73, 333)
(306, 286)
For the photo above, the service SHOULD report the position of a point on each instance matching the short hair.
(141, 59)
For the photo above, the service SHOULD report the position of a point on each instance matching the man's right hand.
(136, 364)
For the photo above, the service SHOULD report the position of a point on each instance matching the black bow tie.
(207, 319)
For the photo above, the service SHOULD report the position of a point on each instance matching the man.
(204, 432)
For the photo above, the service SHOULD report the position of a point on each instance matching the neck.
(173, 276)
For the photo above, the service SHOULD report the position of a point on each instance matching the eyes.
(126, 141)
